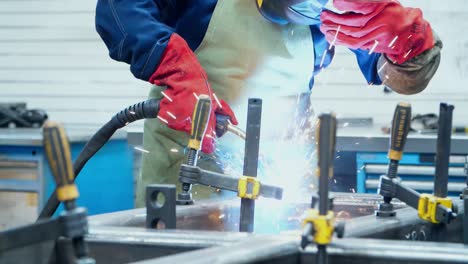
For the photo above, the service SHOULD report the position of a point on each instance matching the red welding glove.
(382, 26)
(185, 79)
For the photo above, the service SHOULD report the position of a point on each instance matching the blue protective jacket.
(137, 32)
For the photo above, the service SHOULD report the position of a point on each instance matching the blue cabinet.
(415, 170)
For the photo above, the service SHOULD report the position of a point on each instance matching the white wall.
(52, 58)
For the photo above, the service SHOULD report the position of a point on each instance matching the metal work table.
(26, 181)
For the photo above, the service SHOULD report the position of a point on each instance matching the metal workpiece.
(444, 136)
(285, 250)
(161, 206)
(252, 146)
(19, 237)
(196, 175)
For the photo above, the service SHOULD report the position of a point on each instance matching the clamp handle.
(200, 118)
(57, 150)
(400, 127)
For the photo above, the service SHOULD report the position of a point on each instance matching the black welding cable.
(141, 110)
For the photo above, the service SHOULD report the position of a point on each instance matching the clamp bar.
(430, 208)
(252, 145)
(195, 175)
(444, 135)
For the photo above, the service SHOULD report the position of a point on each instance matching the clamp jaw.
(246, 187)
(320, 228)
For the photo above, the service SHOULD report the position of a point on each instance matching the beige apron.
(244, 56)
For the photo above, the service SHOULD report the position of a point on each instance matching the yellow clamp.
(324, 226)
(243, 186)
(427, 206)
(67, 192)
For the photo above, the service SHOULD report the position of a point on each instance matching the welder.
(235, 49)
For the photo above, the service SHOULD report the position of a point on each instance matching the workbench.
(26, 181)
(362, 157)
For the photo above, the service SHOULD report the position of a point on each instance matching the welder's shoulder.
(413, 76)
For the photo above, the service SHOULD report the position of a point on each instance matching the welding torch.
(138, 111)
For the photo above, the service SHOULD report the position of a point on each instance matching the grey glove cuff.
(414, 75)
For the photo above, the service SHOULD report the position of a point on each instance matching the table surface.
(366, 139)
(33, 136)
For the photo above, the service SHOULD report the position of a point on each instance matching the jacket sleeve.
(368, 65)
(414, 75)
(134, 33)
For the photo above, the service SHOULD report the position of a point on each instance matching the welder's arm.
(393, 43)
(135, 33)
(414, 75)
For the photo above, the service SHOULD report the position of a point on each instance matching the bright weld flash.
(162, 119)
(167, 97)
(376, 43)
(217, 101)
(334, 39)
(174, 150)
(171, 115)
(142, 150)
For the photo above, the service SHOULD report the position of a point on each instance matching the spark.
(167, 97)
(407, 53)
(162, 119)
(174, 150)
(334, 39)
(410, 36)
(345, 124)
(356, 143)
(376, 43)
(393, 41)
(217, 101)
(196, 96)
(131, 112)
(352, 189)
(323, 59)
(334, 180)
(221, 216)
(381, 68)
(142, 150)
(171, 115)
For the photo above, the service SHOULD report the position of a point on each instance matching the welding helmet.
(304, 12)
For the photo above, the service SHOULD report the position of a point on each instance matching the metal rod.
(443, 150)
(252, 145)
(326, 154)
